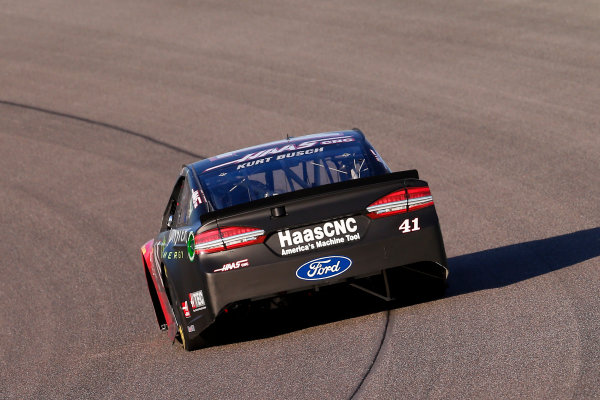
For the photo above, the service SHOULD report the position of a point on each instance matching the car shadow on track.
(514, 263)
(486, 269)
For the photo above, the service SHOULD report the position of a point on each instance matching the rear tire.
(190, 344)
(182, 335)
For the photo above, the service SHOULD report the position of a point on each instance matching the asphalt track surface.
(496, 103)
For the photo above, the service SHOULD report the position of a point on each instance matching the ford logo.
(323, 268)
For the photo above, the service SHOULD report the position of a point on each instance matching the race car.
(284, 217)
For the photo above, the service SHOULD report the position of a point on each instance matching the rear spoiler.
(274, 201)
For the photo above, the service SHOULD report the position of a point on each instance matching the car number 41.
(406, 227)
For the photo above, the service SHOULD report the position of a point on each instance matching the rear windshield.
(290, 171)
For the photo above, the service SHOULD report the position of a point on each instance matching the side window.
(168, 221)
(182, 211)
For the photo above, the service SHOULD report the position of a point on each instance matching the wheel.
(182, 338)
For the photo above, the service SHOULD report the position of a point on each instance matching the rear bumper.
(377, 251)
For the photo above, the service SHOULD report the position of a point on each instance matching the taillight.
(236, 236)
(400, 201)
(209, 242)
(393, 203)
(419, 197)
(229, 237)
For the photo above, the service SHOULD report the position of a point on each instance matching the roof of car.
(290, 144)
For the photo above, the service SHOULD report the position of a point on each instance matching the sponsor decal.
(279, 157)
(274, 153)
(178, 236)
(197, 301)
(173, 255)
(323, 268)
(191, 246)
(225, 155)
(196, 199)
(156, 256)
(406, 227)
(185, 309)
(319, 236)
(234, 265)
(157, 252)
(191, 328)
(159, 247)
(375, 155)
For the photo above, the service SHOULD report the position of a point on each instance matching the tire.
(182, 335)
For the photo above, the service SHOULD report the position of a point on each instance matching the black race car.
(283, 217)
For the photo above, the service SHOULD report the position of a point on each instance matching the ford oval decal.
(323, 268)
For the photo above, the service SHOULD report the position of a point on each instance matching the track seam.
(104, 125)
(183, 151)
(387, 322)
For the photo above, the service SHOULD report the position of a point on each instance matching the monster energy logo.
(191, 245)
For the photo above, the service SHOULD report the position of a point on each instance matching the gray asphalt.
(496, 103)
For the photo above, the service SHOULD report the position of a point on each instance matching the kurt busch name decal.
(323, 268)
(316, 237)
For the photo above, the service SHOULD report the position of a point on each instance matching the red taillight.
(236, 236)
(419, 197)
(400, 201)
(393, 203)
(209, 242)
(229, 237)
